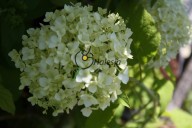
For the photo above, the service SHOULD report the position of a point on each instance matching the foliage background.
(144, 99)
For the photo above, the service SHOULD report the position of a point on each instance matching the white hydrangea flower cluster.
(175, 28)
(48, 65)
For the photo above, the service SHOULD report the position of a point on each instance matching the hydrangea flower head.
(175, 28)
(56, 60)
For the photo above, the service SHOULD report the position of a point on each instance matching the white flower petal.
(86, 112)
(57, 97)
(124, 76)
(43, 81)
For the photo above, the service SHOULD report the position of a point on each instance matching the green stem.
(149, 92)
(140, 72)
(107, 4)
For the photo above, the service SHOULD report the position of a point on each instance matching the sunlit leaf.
(165, 94)
(180, 118)
(124, 100)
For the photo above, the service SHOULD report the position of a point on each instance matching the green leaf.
(145, 36)
(124, 100)
(99, 118)
(180, 118)
(165, 94)
(6, 100)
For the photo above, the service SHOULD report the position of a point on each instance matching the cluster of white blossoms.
(174, 26)
(49, 54)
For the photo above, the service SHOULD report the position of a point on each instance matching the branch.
(183, 87)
